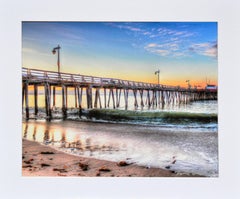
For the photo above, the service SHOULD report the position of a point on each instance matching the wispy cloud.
(71, 35)
(126, 26)
(164, 49)
(209, 49)
(167, 41)
(161, 32)
(35, 52)
(28, 50)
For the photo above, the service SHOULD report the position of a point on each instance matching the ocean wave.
(166, 116)
(160, 118)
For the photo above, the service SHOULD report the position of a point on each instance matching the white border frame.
(225, 12)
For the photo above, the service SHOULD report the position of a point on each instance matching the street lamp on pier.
(189, 85)
(57, 49)
(158, 72)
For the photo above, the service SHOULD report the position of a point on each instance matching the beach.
(123, 149)
(40, 160)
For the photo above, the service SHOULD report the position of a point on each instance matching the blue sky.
(125, 50)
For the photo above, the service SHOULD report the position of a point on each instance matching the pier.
(145, 94)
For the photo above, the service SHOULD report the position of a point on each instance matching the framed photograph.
(127, 106)
(159, 112)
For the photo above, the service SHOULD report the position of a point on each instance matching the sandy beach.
(41, 160)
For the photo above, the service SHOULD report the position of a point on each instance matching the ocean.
(185, 134)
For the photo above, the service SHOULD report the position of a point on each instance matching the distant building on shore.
(211, 87)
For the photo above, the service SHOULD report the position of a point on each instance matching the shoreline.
(45, 161)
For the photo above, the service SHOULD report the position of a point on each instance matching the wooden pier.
(145, 94)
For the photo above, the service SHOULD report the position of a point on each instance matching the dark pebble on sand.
(60, 170)
(105, 169)
(174, 161)
(27, 166)
(122, 163)
(28, 161)
(83, 166)
(167, 167)
(45, 165)
(47, 152)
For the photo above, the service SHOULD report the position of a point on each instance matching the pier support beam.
(141, 96)
(162, 99)
(54, 96)
(118, 96)
(26, 101)
(79, 93)
(126, 98)
(35, 99)
(97, 99)
(135, 98)
(64, 109)
(105, 98)
(148, 101)
(47, 101)
(75, 94)
(111, 95)
(89, 97)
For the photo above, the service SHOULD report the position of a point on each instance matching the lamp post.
(188, 81)
(57, 49)
(158, 72)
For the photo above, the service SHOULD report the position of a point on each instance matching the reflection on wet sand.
(147, 146)
(73, 142)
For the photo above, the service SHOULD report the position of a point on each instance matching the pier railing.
(51, 76)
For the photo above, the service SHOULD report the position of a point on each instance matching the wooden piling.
(109, 97)
(158, 98)
(66, 97)
(148, 101)
(117, 97)
(152, 103)
(89, 97)
(126, 98)
(75, 94)
(105, 98)
(141, 97)
(163, 98)
(135, 98)
(64, 110)
(26, 101)
(47, 101)
(35, 99)
(54, 96)
(97, 98)
(23, 93)
(79, 93)
(113, 99)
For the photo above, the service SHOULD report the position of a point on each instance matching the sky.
(125, 50)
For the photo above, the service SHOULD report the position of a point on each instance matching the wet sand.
(42, 160)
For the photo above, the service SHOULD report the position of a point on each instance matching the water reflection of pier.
(145, 94)
(65, 139)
